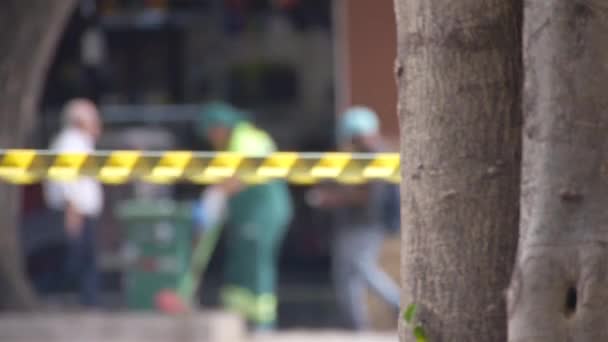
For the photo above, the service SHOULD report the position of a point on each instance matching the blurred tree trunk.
(559, 290)
(459, 75)
(29, 31)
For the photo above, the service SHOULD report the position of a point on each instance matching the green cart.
(157, 250)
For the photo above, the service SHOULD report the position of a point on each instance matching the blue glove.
(199, 217)
(209, 212)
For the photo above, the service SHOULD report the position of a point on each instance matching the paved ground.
(316, 336)
(141, 327)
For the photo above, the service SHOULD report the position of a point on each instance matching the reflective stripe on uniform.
(257, 308)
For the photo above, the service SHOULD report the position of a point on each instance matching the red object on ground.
(169, 302)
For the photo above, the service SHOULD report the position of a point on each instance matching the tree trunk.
(459, 76)
(28, 34)
(559, 290)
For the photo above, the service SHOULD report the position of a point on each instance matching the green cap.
(218, 114)
(358, 121)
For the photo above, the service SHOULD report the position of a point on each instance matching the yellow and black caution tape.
(118, 167)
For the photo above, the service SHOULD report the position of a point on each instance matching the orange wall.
(368, 31)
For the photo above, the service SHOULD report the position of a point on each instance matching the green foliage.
(420, 334)
(410, 313)
(409, 316)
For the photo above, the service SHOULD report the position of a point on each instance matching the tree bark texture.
(29, 31)
(459, 76)
(559, 290)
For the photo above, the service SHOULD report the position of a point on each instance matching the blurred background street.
(150, 65)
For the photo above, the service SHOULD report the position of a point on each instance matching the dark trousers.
(79, 265)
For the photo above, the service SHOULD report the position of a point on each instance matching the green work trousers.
(253, 241)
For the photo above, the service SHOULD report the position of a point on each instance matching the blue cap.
(358, 121)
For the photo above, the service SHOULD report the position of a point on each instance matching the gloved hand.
(314, 198)
(210, 210)
(198, 215)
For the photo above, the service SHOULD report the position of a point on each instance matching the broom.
(180, 300)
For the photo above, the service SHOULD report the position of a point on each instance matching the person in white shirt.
(77, 204)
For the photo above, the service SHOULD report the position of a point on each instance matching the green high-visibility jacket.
(266, 204)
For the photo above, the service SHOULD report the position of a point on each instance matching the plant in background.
(409, 316)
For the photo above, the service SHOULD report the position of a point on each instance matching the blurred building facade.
(365, 51)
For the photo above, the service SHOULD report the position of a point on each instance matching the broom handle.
(200, 260)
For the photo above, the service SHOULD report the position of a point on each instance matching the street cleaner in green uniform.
(257, 219)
